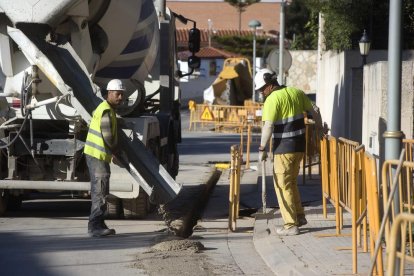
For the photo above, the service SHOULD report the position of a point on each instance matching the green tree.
(301, 26)
(243, 45)
(345, 21)
(241, 6)
(408, 25)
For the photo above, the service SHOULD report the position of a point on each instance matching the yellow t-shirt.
(285, 108)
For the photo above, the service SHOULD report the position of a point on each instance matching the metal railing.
(397, 245)
(349, 182)
(358, 207)
(343, 184)
(372, 188)
(224, 117)
(409, 149)
(312, 153)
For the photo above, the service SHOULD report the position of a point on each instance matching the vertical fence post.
(249, 138)
(234, 193)
(232, 219)
(237, 183)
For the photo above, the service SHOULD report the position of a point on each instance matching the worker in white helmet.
(101, 143)
(283, 116)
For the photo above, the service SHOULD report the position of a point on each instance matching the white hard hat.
(260, 79)
(115, 85)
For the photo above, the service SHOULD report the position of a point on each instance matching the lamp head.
(364, 44)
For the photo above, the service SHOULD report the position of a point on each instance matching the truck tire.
(136, 208)
(113, 208)
(3, 202)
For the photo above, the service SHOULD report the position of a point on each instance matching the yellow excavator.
(233, 85)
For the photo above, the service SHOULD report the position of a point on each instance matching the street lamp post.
(364, 45)
(281, 41)
(254, 24)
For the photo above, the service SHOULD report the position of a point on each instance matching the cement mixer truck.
(56, 58)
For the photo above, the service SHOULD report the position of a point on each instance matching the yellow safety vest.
(95, 145)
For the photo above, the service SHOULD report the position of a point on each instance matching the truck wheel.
(136, 208)
(113, 208)
(14, 203)
(3, 202)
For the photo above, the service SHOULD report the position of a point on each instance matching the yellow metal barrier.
(224, 117)
(346, 165)
(358, 204)
(390, 180)
(371, 184)
(409, 149)
(330, 177)
(326, 190)
(405, 195)
(402, 225)
(331, 191)
(349, 181)
(312, 151)
(343, 184)
(234, 194)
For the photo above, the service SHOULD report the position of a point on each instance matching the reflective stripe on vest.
(289, 127)
(95, 145)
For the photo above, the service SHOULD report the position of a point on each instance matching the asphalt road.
(48, 235)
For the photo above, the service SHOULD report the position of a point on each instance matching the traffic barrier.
(371, 184)
(349, 181)
(326, 189)
(344, 186)
(358, 197)
(234, 193)
(224, 117)
(329, 166)
(405, 194)
(409, 149)
(346, 168)
(312, 151)
(397, 245)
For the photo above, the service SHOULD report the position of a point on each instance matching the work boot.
(99, 229)
(291, 231)
(103, 224)
(302, 221)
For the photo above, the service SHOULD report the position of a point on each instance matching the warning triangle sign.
(207, 115)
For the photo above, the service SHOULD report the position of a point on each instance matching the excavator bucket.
(235, 80)
(65, 70)
(228, 73)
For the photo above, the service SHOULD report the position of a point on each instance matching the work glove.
(121, 159)
(262, 155)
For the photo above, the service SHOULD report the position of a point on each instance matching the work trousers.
(100, 173)
(285, 172)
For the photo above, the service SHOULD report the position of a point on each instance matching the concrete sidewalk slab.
(307, 253)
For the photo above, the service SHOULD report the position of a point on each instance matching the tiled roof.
(207, 52)
(182, 34)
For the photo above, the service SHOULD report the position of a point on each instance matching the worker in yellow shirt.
(283, 116)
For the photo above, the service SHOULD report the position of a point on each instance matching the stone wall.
(303, 72)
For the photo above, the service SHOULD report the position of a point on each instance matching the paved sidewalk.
(306, 253)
